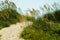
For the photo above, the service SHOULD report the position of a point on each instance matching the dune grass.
(8, 17)
(46, 27)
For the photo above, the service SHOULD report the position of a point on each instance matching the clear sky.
(25, 4)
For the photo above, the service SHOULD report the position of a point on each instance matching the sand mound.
(13, 32)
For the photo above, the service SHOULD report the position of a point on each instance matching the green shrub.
(8, 17)
(46, 27)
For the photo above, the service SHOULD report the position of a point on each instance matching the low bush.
(44, 28)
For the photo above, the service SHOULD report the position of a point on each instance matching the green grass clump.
(46, 27)
(8, 17)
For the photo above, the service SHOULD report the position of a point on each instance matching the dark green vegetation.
(8, 14)
(47, 27)
(8, 17)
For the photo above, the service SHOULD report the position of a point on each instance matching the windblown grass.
(46, 27)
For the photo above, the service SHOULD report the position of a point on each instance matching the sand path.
(13, 32)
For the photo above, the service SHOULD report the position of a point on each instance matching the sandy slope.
(13, 32)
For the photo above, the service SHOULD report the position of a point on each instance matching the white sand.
(13, 32)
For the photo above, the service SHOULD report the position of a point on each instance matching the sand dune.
(13, 32)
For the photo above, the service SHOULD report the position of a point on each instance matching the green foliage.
(54, 16)
(46, 27)
(8, 17)
(0, 37)
(8, 14)
(30, 18)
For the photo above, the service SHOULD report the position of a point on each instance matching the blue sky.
(25, 4)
